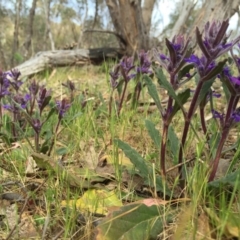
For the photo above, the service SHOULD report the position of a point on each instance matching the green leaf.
(62, 151)
(162, 81)
(183, 98)
(145, 171)
(153, 133)
(152, 90)
(134, 157)
(227, 87)
(232, 179)
(182, 73)
(236, 156)
(133, 221)
(204, 90)
(53, 110)
(174, 143)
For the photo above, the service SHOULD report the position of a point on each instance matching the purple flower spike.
(114, 77)
(177, 49)
(215, 43)
(144, 63)
(33, 88)
(44, 98)
(127, 64)
(200, 63)
(37, 125)
(13, 76)
(62, 107)
(20, 100)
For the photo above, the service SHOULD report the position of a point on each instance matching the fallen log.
(60, 58)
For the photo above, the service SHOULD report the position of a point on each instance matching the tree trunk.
(214, 10)
(147, 13)
(28, 41)
(128, 21)
(49, 59)
(18, 7)
(186, 8)
(48, 33)
(80, 38)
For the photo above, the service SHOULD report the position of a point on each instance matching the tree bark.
(214, 10)
(186, 8)
(46, 6)
(130, 24)
(28, 41)
(18, 7)
(147, 13)
(49, 59)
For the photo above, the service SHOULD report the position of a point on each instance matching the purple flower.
(4, 84)
(214, 43)
(235, 80)
(34, 87)
(17, 100)
(177, 49)
(127, 64)
(218, 115)
(216, 95)
(14, 74)
(200, 64)
(43, 98)
(236, 116)
(37, 125)
(226, 71)
(163, 57)
(114, 77)
(144, 63)
(62, 107)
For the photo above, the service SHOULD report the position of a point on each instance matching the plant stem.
(110, 104)
(219, 152)
(188, 118)
(122, 98)
(203, 123)
(53, 140)
(166, 122)
(231, 103)
(37, 141)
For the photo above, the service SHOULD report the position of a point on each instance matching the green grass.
(86, 136)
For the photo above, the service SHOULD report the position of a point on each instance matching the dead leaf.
(95, 201)
(31, 166)
(229, 229)
(203, 227)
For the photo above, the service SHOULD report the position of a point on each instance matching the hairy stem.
(230, 108)
(188, 118)
(218, 154)
(203, 123)
(122, 98)
(54, 137)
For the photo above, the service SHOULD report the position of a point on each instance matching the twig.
(58, 234)
(180, 164)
